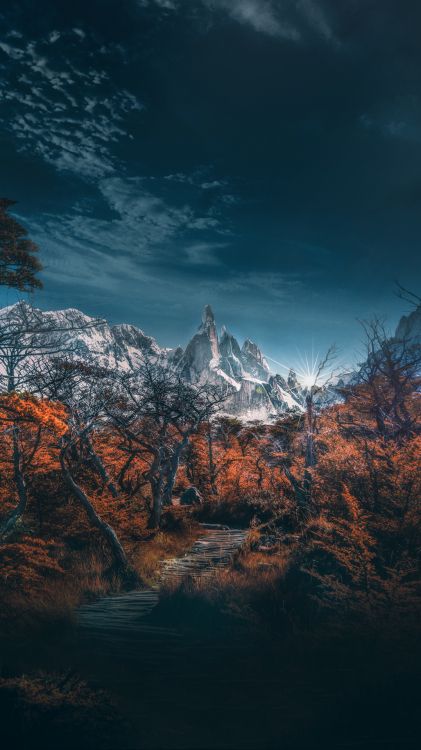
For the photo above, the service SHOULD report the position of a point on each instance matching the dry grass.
(148, 556)
(50, 602)
(52, 605)
(249, 590)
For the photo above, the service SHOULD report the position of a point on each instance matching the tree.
(36, 358)
(28, 339)
(382, 398)
(158, 413)
(18, 262)
(314, 399)
(83, 389)
(25, 421)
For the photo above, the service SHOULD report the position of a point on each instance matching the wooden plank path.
(120, 622)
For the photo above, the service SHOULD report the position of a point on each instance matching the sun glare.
(308, 380)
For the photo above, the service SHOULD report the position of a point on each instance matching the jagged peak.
(208, 317)
(225, 334)
(250, 347)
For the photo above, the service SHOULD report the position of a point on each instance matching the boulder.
(191, 496)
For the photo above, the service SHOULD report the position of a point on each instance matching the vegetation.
(19, 264)
(93, 465)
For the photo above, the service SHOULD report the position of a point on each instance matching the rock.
(191, 496)
(253, 361)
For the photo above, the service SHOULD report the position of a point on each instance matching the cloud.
(400, 119)
(283, 19)
(204, 254)
(261, 15)
(61, 108)
(316, 18)
(142, 231)
(213, 185)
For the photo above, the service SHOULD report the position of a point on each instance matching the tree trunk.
(172, 473)
(99, 466)
(156, 513)
(122, 473)
(310, 457)
(121, 564)
(156, 481)
(20, 482)
(212, 467)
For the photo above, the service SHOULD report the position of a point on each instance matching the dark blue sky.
(263, 156)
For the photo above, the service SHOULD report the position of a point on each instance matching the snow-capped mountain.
(208, 357)
(257, 394)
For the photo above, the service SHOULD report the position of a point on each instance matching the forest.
(97, 468)
(93, 466)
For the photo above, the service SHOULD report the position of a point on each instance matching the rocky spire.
(208, 318)
(254, 361)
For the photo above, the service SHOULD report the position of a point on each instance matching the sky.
(261, 156)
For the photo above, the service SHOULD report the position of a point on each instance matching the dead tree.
(84, 389)
(160, 414)
(315, 398)
(27, 338)
(384, 397)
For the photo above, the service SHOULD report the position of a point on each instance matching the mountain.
(208, 357)
(257, 394)
(409, 327)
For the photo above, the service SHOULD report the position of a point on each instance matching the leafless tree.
(28, 335)
(37, 356)
(85, 391)
(408, 296)
(315, 398)
(385, 390)
(158, 412)
(27, 338)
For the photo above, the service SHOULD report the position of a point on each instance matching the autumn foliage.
(346, 530)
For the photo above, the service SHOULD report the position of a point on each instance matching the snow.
(290, 400)
(229, 380)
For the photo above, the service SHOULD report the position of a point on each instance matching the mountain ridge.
(208, 357)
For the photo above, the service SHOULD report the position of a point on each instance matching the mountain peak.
(207, 316)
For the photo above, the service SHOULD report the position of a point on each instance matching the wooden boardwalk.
(120, 622)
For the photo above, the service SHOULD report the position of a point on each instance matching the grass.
(247, 591)
(49, 602)
(147, 558)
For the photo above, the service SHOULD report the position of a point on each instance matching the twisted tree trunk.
(99, 466)
(120, 564)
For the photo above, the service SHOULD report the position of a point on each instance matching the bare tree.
(408, 296)
(315, 398)
(27, 338)
(158, 413)
(36, 357)
(24, 445)
(384, 390)
(85, 391)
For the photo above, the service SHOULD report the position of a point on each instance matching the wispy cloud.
(140, 231)
(284, 19)
(69, 113)
(261, 15)
(400, 119)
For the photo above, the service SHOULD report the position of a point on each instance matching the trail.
(121, 622)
